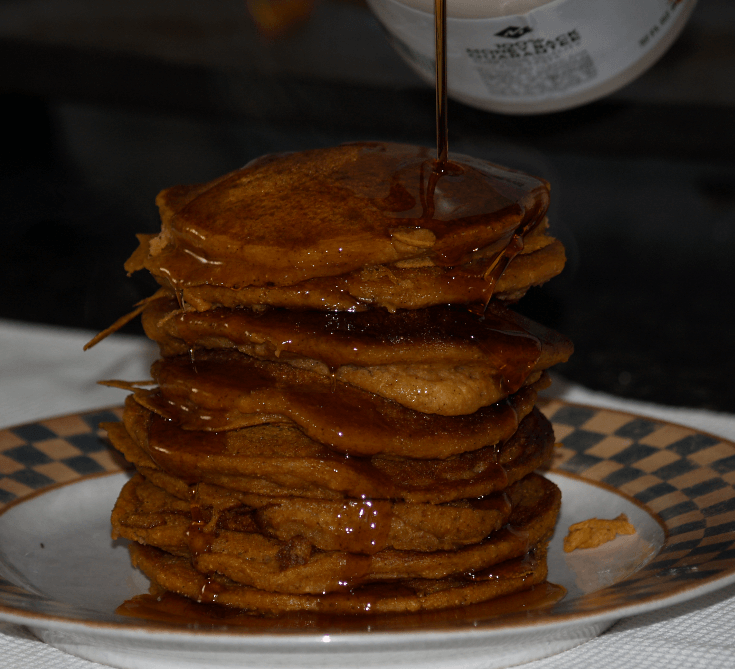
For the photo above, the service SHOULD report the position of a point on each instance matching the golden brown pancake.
(148, 514)
(175, 574)
(440, 360)
(353, 525)
(281, 460)
(225, 390)
(293, 217)
(388, 286)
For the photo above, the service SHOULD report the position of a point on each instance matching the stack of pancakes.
(343, 415)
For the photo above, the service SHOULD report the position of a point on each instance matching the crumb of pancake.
(595, 532)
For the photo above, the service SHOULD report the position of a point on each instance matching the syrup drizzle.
(515, 244)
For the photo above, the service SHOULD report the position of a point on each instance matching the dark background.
(107, 103)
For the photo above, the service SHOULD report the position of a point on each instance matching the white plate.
(63, 577)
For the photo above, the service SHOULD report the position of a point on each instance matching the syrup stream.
(440, 29)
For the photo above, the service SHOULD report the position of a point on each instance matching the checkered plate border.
(684, 477)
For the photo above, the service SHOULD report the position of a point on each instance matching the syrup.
(440, 30)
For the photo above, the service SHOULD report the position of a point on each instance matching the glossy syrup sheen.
(362, 526)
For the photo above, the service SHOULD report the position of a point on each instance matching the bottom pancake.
(175, 574)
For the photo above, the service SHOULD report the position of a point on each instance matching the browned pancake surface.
(389, 287)
(279, 460)
(176, 574)
(438, 360)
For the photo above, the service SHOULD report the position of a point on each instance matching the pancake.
(280, 461)
(296, 567)
(438, 360)
(175, 574)
(293, 217)
(225, 390)
(148, 514)
(144, 511)
(389, 287)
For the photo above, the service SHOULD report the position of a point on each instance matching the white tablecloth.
(43, 373)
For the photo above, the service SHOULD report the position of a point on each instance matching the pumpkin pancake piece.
(293, 217)
(148, 514)
(388, 287)
(175, 574)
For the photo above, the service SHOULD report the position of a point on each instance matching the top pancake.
(289, 218)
